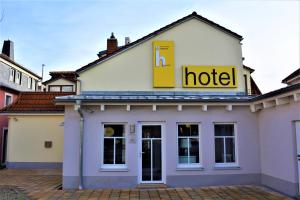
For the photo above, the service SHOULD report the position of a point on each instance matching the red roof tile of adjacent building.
(36, 102)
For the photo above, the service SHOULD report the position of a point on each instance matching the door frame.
(2, 146)
(296, 124)
(163, 152)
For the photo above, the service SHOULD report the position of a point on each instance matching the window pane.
(183, 150)
(67, 89)
(224, 130)
(113, 130)
(219, 150)
(108, 151)
(156, 160)
(194, 130)
(8, 100)
(194, 150)
(230, 147)
(120, 151)
(12, 75)
(184, 130)
(151, 131)
(188, 130)
(146, 160)
(53, 88)
(29, 80)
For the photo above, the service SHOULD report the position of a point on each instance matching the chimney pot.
(127, 40)
(112, 44)
(8, 49)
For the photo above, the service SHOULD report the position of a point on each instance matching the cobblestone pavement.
(42, 184)
(10, 193)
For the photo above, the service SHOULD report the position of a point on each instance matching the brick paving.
(42, 184)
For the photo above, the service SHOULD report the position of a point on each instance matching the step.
(151, 186)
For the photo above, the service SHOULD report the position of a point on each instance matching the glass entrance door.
(151, 153)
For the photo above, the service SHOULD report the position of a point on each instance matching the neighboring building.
(35, 131)
(61, 81)
(14, 78)
(293, 78)
(177, 107)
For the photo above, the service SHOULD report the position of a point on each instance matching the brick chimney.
(8, 49)
(112, 44)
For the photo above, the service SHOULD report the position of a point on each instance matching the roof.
(141, 97)
(36, 102)
(5, 57)
(280, 91)
(248, 68)
(170, 97)
(292, 76)
(194, 15)
(68, 75)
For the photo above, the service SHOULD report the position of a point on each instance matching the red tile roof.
(36, 102)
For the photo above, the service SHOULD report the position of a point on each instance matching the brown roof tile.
(36, 102)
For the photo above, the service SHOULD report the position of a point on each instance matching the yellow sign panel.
(209, 76)
(163, 64)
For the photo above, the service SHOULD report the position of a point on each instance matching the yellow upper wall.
(195, 43)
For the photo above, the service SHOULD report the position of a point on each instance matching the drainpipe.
(78, 109)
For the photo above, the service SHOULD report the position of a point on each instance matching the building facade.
(178, 107)
(14, 78)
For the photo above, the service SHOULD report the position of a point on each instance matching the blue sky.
(67, 34)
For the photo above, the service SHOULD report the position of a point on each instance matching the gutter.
(78, 109)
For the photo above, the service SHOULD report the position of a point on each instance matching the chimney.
(112, 44)
(8, 49)
(127, 40)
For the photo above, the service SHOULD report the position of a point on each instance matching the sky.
(68, 34)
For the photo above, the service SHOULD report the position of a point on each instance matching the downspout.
(81, 124)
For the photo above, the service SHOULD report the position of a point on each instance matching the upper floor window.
(225, 144)
(33, 84)
(8, 99)
(29, 82)
(188, 145)
(12, 73)
(67, 88)
(18, 77)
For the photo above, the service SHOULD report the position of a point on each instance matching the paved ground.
(42, 184)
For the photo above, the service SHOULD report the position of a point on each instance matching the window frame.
(199, 137)
(29, 82)
(12, 76)
(113, 166)
(235, 136)
(18, 80)
(11, 96)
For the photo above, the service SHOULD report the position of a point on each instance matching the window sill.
(106, 169)
(233, 167)
(189, 168)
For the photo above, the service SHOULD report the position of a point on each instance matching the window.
(68, 88)
(33, 84)
(29, 82)
(12, 74)
(8, 99)
(53, 88)
(188, 145)
(225, 144)
(18, 77)
(114, 145)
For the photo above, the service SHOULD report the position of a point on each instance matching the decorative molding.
(154, 107)
(102, 107)
(204, 108)
(179, 107)
(127, 107)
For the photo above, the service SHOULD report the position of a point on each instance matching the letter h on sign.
(159, 58)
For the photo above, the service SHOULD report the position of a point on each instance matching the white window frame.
(227, 164)
(113, 166)
(12, 74)
(18, 79)
(29, 82)
(11, 96)
(189, 165)
(34, 84)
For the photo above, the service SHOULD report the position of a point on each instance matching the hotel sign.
(209, 77)
(192, 76)
(163, 64)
